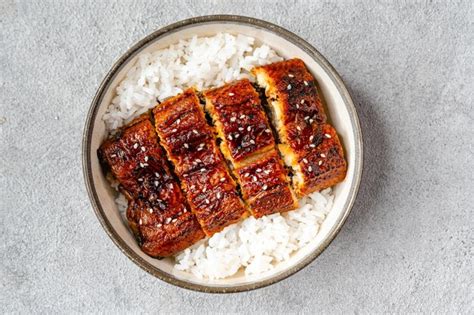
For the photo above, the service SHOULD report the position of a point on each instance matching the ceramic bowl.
(340, 110)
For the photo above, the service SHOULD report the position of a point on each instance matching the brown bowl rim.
(135, 49)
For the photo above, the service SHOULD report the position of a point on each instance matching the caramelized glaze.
(190, 144)
(239, 118)
(299, 119)
(157, 211)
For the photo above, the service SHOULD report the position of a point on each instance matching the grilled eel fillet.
(248, 144)
(309, 145)
(191, 146)
(157, 211)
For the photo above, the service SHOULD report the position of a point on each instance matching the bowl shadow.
(376, 156)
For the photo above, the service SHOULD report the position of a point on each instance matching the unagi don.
(191, 146)
(309, 145)
(157, 210)
(162, 218)
(248, 143)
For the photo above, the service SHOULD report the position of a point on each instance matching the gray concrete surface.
(407, 246)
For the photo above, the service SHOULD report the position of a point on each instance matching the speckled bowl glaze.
(340, 109)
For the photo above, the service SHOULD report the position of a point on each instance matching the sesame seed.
(268, 131)
(302, 102)
(143, 149)
(186, 146)
(246, 174)
(254, 178)
(140, 179)
(174, 130)
(305, 160)
(291, 76)
(198, 161)
(236, 135)
(242, 116)
(199, 149)
(218, 195)
(264, 187)
(178, 121)
(222, 179)
(289, 87)
(231, 94)
(306, 117)
(232, 119)
(192, 187)
(297, 106)
(150, 210)
(146, 158)
(259, 170)
(305, 83)
(311, 121)
(158, 225)
(195, 131)
(204, 189)
(249, 128)
(241, 129)
(203, 170)
(170, 186)
(311, 138)
(156, 183)
(157, 175)
(140, 222)
(185, 210)
(229, 137)
(310, 168)
(327, 135)
(174, 220)
(312, 145)
(135, 145)
(298, 127)
(266, 172)
(113, 155)
(145, 164)
(168, 220)
(252, 141)
(142, 165)
(207, 201)
(320, 162)
(323, 155)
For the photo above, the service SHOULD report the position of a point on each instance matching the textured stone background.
(408, 244)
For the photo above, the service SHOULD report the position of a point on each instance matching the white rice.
(202, 62)
(252, 245)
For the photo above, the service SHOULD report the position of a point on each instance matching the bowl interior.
(341, 115)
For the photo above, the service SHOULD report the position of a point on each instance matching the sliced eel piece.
(186, 136)
(299, 118)
(161, 235)
(240, 121)
(213, 196)
(319, 167)
(157, 211)
(248, 144)
(191, 146)
(264, 185)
